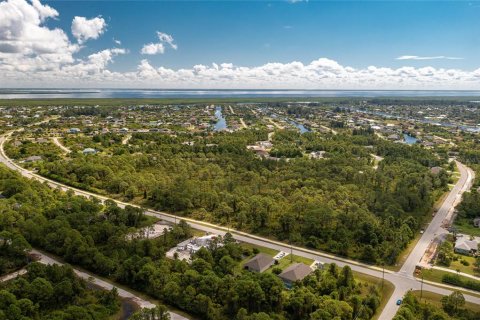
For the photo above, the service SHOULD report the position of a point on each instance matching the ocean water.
(31, 93)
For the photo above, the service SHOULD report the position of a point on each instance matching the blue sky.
(357, 34)
(277, 44)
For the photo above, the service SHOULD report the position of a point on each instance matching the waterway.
(300, 126)
(409, 139)
(36, 93)
(221, 121)
(427, 121)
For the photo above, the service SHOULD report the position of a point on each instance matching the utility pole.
(291, 249)
(383, 274)
(421, 289)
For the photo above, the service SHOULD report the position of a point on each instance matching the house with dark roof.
(295, 272)
(259, 263)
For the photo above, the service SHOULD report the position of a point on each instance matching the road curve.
(402, 280)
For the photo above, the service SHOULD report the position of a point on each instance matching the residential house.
(74, 130)
(295, 272)
(476, 222)
(33, 159)
(466, 245)
(316, 154)
(259, 263)
(89, 151)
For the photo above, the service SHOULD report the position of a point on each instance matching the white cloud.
(30, 52)
(166, 38)
(322, 73)
(159, 48)
(34, 55)
(84, 29)
(26, 44)
(44, 11)
(118, 42)
(428, 58)
(296, 1)
(153, 48)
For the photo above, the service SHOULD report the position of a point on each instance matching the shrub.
(276, 270)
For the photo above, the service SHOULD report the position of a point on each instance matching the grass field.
(466, 226)
(270, 252)
(457, 265)
(437, 275)
(288, 260)
(436, 300)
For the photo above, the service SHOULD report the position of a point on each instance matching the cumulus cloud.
(153, 48)
(84, 29)
(26, 44)
(34, 55)
(32, 52)
(427, 58)
(159, 47)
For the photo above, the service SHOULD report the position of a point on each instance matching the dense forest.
(340, 204)
(452, 308)
(214, 286)
(469, 208)
(54, 293)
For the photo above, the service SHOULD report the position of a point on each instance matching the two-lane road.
(402, 280)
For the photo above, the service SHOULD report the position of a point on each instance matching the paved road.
(435, 228)
(126, 139)
(61, 146)
(13, 275)
(243, 123)
(402, 280)
(141, 302)
(43, 258)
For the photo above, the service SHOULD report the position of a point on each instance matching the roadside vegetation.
(339, 204)
(92, 235)
(54, 293)
(436, 307)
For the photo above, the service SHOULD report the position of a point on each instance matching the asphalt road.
(142, 303)
(402, 280)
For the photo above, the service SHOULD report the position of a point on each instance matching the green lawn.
(436, 300)
(269, 251)
(457, 265)
(437, 275)
(466, 226)
(288, 260)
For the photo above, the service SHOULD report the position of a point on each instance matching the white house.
(466, 245)
(89, 151)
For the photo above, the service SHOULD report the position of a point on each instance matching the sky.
(240, 44)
